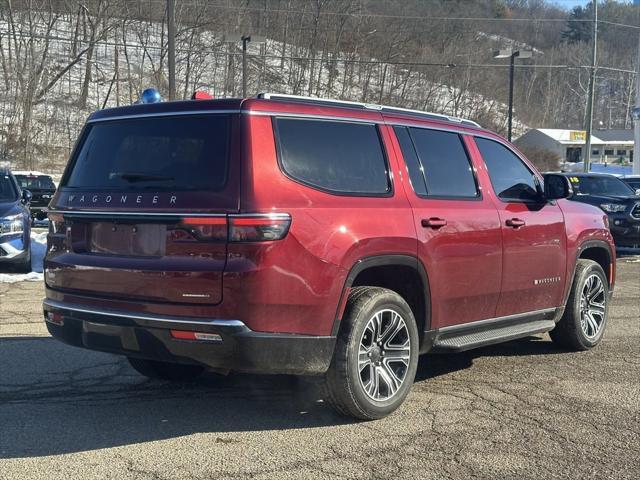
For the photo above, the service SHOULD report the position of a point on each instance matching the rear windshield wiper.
(139, 177)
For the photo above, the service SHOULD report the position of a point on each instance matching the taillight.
(210, 229)
(58, 229)
(258, 227)
(57, 225)
(195, 336)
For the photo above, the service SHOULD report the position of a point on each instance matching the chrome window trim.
(129, 315)
(162, 114)
(420, 124)
(111, 213)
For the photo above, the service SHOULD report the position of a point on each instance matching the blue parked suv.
(616, 198)
(15, 224)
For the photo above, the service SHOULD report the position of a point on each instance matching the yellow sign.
(577, 135)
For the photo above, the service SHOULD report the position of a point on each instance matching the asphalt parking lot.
(519, 410)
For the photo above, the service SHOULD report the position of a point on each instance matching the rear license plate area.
(144, 240)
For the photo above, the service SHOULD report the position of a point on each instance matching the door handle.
(515, 223)
(433, 222)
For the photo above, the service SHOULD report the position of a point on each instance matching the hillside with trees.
(60, 60)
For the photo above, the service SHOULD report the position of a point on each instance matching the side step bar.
(495, 330)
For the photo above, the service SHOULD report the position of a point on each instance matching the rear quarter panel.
(295, 285)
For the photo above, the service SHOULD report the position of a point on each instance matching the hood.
(9, 208)
(607, 198)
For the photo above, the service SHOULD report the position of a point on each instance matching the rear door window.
(172, 153)
(438, 163)
(338, 157)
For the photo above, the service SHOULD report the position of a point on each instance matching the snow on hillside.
(205, 64)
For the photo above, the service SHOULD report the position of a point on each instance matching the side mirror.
(557, 187)
(638, 192)
(26, 196)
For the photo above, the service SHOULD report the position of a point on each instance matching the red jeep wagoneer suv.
(284, 234)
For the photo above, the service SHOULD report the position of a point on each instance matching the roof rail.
(367, 106)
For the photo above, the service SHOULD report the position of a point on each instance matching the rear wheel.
(376, 355)
(585, 317)
(173, 372)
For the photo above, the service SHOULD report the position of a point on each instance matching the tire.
(585, 316)
(369, 311)
(173, 372)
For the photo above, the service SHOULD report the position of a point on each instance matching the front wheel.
(376, 355)
(173, 372)
(585, 317)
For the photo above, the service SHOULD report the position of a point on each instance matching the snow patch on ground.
(38, 249)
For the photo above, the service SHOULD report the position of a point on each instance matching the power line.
(399, 17)
(329, 60)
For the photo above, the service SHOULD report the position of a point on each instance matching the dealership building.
(606, 145)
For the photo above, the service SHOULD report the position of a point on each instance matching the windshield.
(169, 153)
(8, 190)
(608, 186)
(35, 182)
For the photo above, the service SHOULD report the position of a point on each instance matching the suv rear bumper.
(149, 336)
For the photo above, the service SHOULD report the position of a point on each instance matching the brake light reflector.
(258, 227)
(204, 221)
(213, 229)
(195, 336)
(55, 318)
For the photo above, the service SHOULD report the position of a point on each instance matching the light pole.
(245, 39)
(171, 34)
(509, 53)
(635, 113)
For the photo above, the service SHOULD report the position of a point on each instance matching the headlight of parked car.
(12, 224)
(613, 207)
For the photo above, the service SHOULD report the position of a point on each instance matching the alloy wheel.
(384, 355)
(592, 306)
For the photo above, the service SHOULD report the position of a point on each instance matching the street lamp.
(635, 114)
(509, 53)
(245, 39)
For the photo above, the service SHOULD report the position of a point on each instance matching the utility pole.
(504, 53)
(636, 120)
(512, 67)
(592, 86)
(245, 40)
(171, 33)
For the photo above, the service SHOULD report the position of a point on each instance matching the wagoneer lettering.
(306, 236)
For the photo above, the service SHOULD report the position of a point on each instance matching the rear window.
(339, 157)
(35, 182)
(176, 153)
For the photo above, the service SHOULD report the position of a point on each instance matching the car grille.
(635, 212)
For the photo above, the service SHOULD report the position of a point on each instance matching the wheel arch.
(600, 252)
(404, 274)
